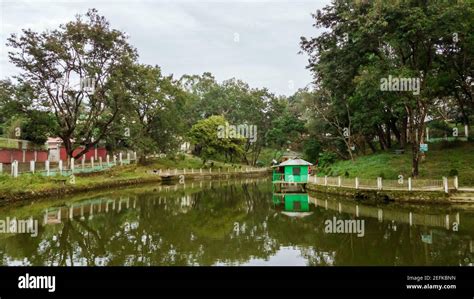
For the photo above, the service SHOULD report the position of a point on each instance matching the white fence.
(380, 184)
(224, 170)
(66, 168)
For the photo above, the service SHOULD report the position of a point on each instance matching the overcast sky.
(256, 41)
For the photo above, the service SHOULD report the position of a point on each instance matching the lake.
(237, 222)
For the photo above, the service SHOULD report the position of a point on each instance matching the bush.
(446, 144)
(326, 159)
(453, 172)
(346, 174)
(382, 175)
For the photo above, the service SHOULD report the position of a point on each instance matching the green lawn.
(441, 159)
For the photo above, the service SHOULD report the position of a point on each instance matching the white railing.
(444, 184)
(223, 170)
(49, 168)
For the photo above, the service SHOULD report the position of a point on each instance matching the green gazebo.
(291, 172)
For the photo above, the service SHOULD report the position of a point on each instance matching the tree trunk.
(396, 132)
(388, 135)
(371, 145)
(403, 137)
(383, 144)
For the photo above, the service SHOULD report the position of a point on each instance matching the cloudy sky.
(256, 41)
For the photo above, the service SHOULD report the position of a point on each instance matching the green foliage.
(204, 135)
(78, 72)
(285, 129)
(326, 159)
(453, 172)
(364, 44)
(17, 111)
(437, 164)
(312, 148)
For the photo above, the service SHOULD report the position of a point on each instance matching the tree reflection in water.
(227, 223)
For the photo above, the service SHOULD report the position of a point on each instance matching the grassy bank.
(29, 185)
(442, 159)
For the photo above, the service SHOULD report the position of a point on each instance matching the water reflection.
(292, 204)
(232, 223)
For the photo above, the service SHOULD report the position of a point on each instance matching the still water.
(238, 222)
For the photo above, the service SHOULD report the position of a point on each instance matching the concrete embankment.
(418, 196)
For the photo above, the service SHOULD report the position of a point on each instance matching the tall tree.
(77, 71)
(157, 104)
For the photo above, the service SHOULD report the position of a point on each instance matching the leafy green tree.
(157, 104)
(18, 110)
(368, 41)
(208, 144)
(78, 72)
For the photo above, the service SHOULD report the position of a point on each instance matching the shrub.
(453, 172)
(326, 159)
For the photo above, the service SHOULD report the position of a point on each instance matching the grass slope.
(440, 160)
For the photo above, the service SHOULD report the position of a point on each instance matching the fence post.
(83, 162)
(210, 170)
(325, 180)
(46, 166)
(176, 171)
(100, 162)
(1, 168)
(60, 166)
(200, 170)
(357, 183)
(409, 184)
(184, 170)
(72, 165)
(120, 159)
(339, 181)
(456, 182)
(115, 160)
(32, 166)
(379, 183)
(92, 162)
(12, 169)
(128, 157)
(192, 170)
(107, 159)
(445, 184)
(135, 156)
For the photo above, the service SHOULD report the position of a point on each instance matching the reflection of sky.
(285, 256)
